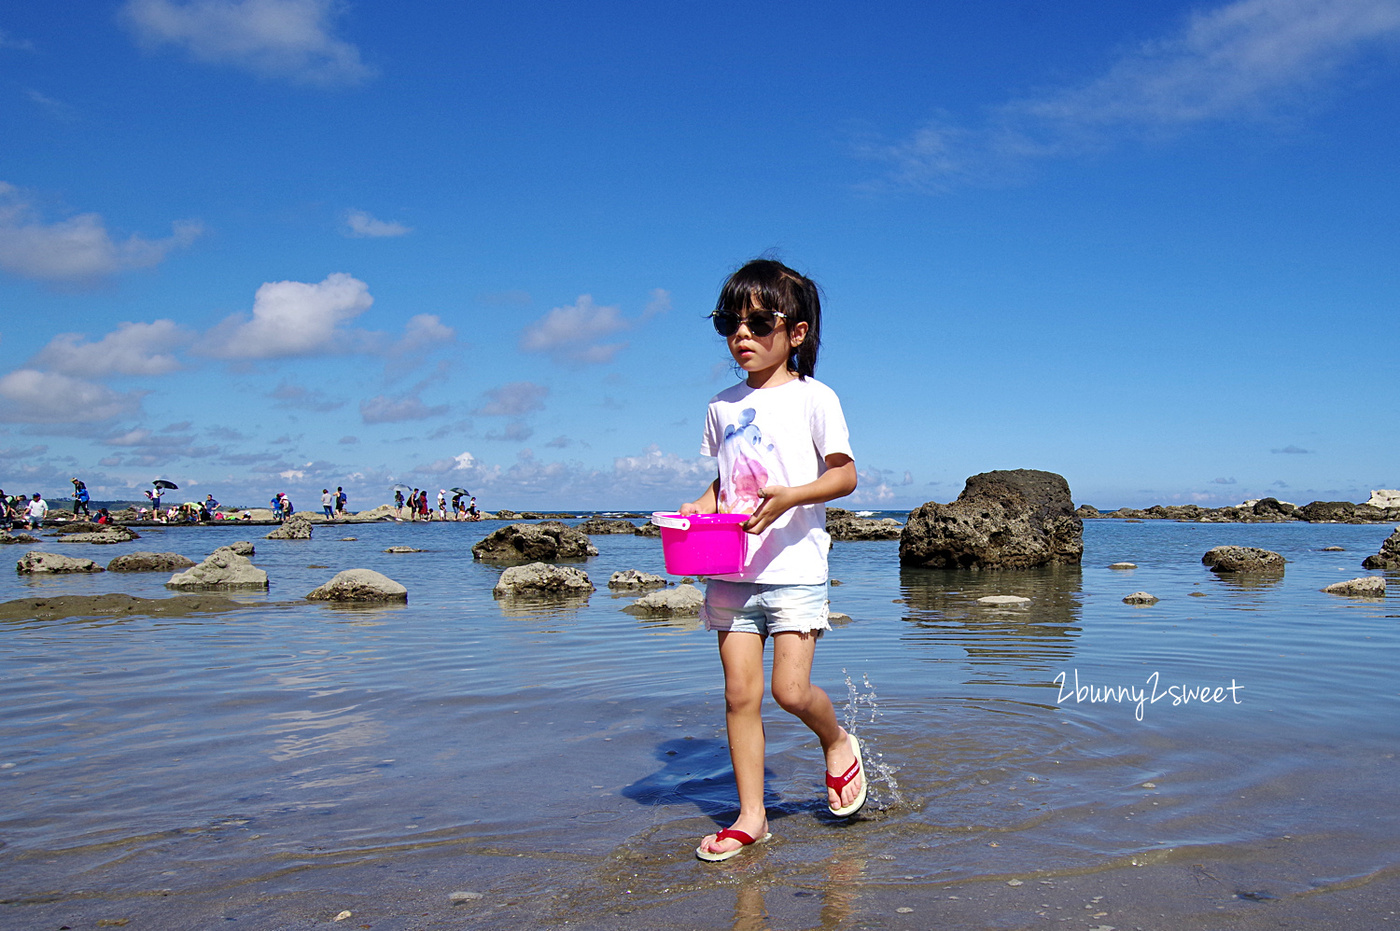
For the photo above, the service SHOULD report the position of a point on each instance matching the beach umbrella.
(459, 491)
(401, 487)
(162, 483)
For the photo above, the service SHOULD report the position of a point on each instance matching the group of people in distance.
(420, 509)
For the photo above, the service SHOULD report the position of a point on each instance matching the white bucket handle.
(670, 522)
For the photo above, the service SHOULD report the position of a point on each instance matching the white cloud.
(384, 409)
(514, 400)
(660, 303)
(131, 349)
(32, 396)
(363, 226)
(574, 333)
(294, 318)
(78, 250)
(273, 38)
(1240, 60)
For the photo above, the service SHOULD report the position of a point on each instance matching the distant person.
(287, 510)
(398, 504)
(459, 510)
(472, 511)
(210, 503)
(7, 511)
(341, 500)
(35, 511)
(327, 502)
(442, 502)
(413, 504)
(423, 508)
(275, 505)
(80, 499)
(783, 451)
(103, 517)
(154, 497)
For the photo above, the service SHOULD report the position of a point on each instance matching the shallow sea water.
(1223, 758)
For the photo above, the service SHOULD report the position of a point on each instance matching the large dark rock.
(542, 542)
(607, 525)
(1012, 519)
(1321, 511)
(843, 525)
(1243, 559)
(150, 562)
(1388, 557)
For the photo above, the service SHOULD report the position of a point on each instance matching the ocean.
(1224, 758)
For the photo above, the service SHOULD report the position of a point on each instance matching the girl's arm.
(707, 503)
(837, 481)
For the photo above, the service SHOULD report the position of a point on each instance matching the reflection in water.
(542, 608)
(1002, 642)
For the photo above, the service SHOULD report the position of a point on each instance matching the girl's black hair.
(771, 285)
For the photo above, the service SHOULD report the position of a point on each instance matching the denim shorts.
(755, 608)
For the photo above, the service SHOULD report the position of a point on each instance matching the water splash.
(863, 704)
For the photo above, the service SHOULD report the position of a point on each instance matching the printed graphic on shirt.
(748, 475)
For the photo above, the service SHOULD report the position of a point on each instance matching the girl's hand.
(777, 501)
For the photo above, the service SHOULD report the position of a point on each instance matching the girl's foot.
(839, 759)
(714, 844)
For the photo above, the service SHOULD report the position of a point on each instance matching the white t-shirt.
(777, 436)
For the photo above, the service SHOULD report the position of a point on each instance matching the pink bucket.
(703, 544)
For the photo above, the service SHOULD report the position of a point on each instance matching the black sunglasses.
(759, 322)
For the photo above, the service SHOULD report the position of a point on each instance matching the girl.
(783, 452)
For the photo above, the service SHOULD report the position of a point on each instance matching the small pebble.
(904, 910)
(343, 915)
(1198, 594)
(1002, 600)
(1013, 882)
(457, 898)
(1123, 565)
(1149, 785)
(1140, 598)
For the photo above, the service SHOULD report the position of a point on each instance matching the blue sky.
(263, 245)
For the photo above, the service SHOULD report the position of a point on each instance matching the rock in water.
(222, 570)
(360, 585)
(540, 579)
(1370, 587)
(549, 540)
(296, 528)
(110, 533)
(34, 561)
(1014, 519)
(150, 562)
(606, 525)
(242, 548)
(1140, 598)
(632, 579)
(6, 537)
(681, 601)
(1243, 559)
(843, 525)
(1388, 557)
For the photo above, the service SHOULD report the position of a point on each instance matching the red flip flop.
(837, 783)
(744, 839)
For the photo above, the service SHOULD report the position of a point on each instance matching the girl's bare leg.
(741, 654)
(794, 692)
